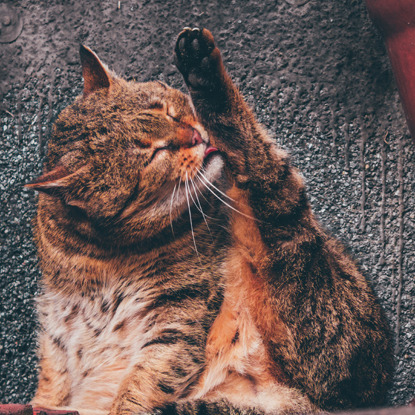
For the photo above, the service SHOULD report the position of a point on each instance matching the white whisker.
(171, 206)
(178, 189)
(207, 184)
(218, 190)
(203, 195)
(198, 204)
(190, 216)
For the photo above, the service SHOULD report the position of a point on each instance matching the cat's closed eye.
(173, 118)
(168, 147)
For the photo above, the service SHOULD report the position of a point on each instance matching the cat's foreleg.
(54, 385)
(257, 165)
(170, 364)
(324, 331)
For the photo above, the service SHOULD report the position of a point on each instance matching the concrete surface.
(316, 73)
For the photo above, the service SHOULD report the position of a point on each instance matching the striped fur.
(178, 279)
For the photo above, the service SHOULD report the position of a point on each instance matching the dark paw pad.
(198, 59)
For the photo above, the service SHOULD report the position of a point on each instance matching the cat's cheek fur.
(174, 201)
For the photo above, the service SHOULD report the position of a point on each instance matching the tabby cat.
(183, 269)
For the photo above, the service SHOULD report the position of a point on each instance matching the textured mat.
(317, 74)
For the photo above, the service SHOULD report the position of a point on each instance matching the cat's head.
(124, 153)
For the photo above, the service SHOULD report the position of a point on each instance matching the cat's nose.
(196, 138)
(188, 136)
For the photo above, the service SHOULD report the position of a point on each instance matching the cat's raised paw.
(198, 59)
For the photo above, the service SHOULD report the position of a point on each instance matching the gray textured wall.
(316, 73)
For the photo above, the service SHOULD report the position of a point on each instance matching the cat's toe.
(197, 57)
(187, 49)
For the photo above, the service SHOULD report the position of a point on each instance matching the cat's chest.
(96, 331)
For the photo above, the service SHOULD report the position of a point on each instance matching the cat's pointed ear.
(52, 182)
(95, 74)
(61, 183)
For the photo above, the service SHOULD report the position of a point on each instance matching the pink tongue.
(209, 150)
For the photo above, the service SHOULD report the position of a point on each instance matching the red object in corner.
(396, 21)
(15, 409)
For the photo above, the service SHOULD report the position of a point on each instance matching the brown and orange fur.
(183, 269)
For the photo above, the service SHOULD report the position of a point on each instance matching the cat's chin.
(212, 166)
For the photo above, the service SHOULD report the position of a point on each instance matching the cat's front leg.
(216, 99)
(54, 384)
(168, 367)
(322, 327)
(275, 189)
